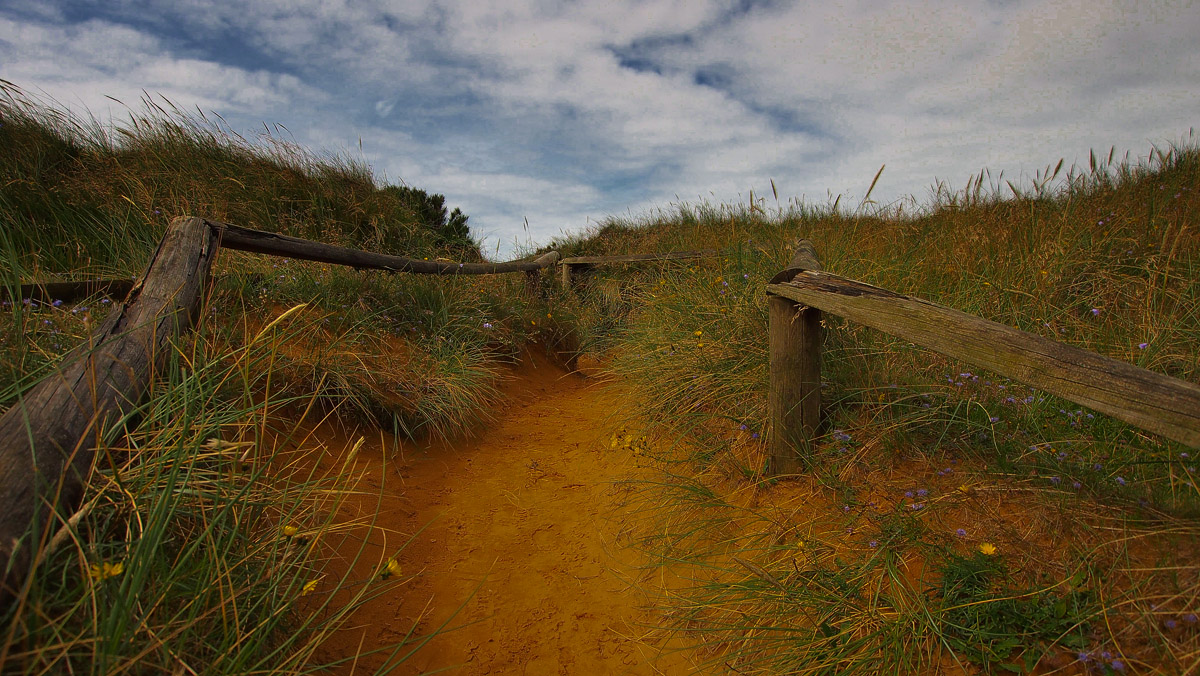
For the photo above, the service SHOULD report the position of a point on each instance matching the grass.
(203, 544)
(189, 553)
(871, 561)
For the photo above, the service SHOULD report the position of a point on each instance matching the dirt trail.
(518, 544)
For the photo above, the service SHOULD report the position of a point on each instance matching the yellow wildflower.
(290, 530)
(987, 548)
(104, 570)
(308, 587)
(699, 344)
(698, 333)
(392, 567)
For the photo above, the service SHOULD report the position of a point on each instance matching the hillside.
(948, 520)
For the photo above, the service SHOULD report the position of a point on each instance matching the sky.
(542, 118)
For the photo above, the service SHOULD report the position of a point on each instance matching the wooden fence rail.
(586, 262)
(257, 241)
(1149, 400)
(66, 291)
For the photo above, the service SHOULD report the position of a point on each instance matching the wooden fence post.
(794, 398)
(48, 437)
(573, 273)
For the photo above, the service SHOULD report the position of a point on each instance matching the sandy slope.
(520, 544)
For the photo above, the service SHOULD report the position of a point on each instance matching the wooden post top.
(804, 258)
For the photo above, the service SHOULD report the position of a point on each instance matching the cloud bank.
(561, 113)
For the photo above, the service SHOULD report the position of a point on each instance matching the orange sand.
(519, 551)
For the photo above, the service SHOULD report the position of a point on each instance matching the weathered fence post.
(794, 398)
(48, 437)
(572, 273)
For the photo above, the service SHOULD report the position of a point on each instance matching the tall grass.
(947, 516)
(202, 545)
(198, 547)
(85, 199)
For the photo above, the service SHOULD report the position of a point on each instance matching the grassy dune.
(190, 552)
(949, 516)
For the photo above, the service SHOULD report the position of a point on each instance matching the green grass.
(183, 558)
(182, 554)
(1093, 521)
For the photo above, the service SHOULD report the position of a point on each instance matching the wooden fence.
(1152, 401)
(49, 436)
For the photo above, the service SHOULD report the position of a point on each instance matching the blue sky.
(563, 113)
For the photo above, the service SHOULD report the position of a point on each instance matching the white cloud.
(94, 62)
(524, 108)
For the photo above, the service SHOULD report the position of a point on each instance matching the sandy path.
(519, 544)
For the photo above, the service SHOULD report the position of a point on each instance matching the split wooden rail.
(1152, 401)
